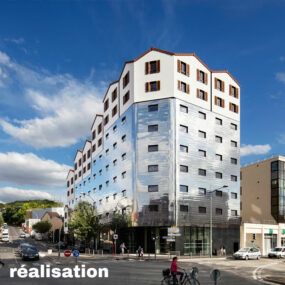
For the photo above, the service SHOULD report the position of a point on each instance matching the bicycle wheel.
(194, 282)
(165, 281)
(187, 281)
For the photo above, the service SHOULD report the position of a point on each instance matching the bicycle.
(188, 278)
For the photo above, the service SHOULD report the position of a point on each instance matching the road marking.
(256, 274)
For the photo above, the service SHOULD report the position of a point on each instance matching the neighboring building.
(56, 221)
(33, 216)
(169, 134)
(263, 204)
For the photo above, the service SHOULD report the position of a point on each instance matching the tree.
(1, 220)
(84, 222)
(120, 221)
(42, 227)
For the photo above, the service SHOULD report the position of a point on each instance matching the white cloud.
(17, 41)
(65, 107)
(254, 149)
(280, 76)
(29, 169)
(11, 194)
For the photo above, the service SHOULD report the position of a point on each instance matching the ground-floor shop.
(264, 236)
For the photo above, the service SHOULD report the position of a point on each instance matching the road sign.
(115, 236)
(75, 253)
(67, 253)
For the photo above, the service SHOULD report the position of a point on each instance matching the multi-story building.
(263, 204)
(168, 136)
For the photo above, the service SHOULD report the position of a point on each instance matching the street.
(130, 270)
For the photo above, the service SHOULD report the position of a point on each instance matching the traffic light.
(253, 236)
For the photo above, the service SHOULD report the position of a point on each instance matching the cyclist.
(174, 270)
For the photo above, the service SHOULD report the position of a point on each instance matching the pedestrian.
(224, 251)
(140, 251)
(123, 247)
(174, 270)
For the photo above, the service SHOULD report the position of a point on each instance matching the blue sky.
(57, 57)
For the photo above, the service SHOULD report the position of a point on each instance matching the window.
(233, 160)
(80, 162)
(114, 179)
(123, 121)
(100, 156)
(106, 105)
(107, 183)
(124, 192)
(153, 108)
(183, 68)
(99, 128)
(234, 178)
(94, 161)
(219, 121)
(124, 174)
(183, 168)
(153, 208)
(115, 128)
(183, 188)
(93, 134)
(233, 91)
(202, 134)
(124, 156)
(88, 153)
(107, 151)
(202, 153)
(114, 111)
(183, 109)
(152, 67)
(107, 136)
(100, 172)
(115, 196)
(106, 120)
(75, 166)
(100, 202)
(234, 213)
(88, 166)
(233, 195)
(114, 95)
(202, 172)
(201, 94)
(233, 126)
(67, 193)
(152, 128)
(219, 85)
(219, 157)
(115, 162)
(99, 142)
(100, 187)
(202, 191)
(202, 76)
(93, 147)
(152, 188)
(115, 145)
(123, 138)
(184, 208)
(183, 129)
(84, 157)
(153, 168)
(233, 107)
(126, 79)
(67, 184)
(126, 97)
(202, 210)
(219, 211)
(202, 115)
(152, 86)
(218, 139)
(219, 175)
(153, 148)
(79, 174)
(219, 102)
(233, 143)
(184, 148)
(107, 167)
(182, 86)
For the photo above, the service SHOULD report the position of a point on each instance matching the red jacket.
(173, 267)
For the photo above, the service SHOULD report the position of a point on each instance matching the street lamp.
(211, 217)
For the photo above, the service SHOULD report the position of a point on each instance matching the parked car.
(247, 253)
(38, 236)
(30, 253)
(5, 237)
(22, 235)
(277, 252)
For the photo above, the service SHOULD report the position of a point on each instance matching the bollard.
(215, 275)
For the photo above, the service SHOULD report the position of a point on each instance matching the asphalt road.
(132, 271)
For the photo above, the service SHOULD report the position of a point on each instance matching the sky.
(58, 57)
